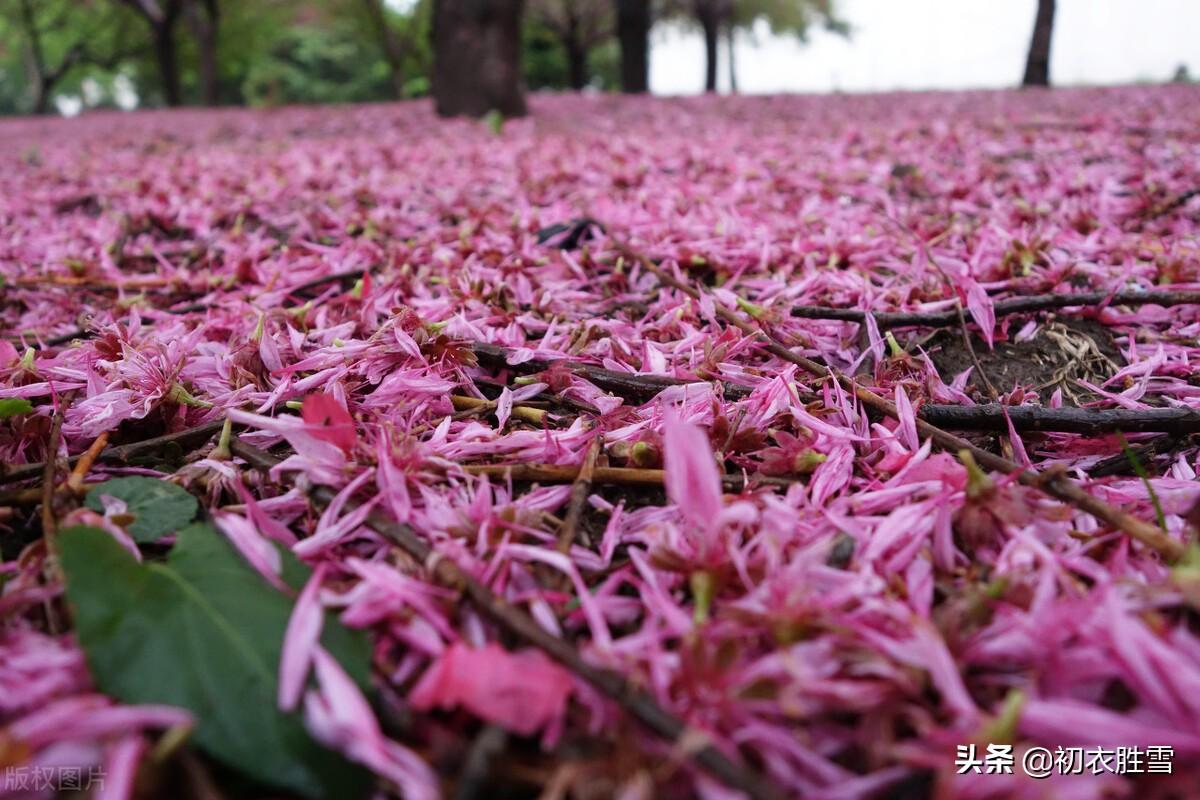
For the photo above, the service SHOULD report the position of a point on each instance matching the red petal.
(332, 421)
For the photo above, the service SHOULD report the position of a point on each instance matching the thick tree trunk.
(633, 33)
(477, 57)
(1037, 66)
(393, 52)
(710, 23)
(203, 19)
(41, 97)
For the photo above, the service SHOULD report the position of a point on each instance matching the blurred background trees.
(473, 55)
(106, 53)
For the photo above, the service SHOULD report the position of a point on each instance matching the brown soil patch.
(1063, 351)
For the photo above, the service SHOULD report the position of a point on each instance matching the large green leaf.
(158, 507)
(205, 632)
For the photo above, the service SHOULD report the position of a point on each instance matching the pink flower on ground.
(300, 640)
(329, 421)
(692, 480)
(339, 716)
(523, 691)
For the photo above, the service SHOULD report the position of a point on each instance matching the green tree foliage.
(548, 60)
(578, 29)
(317, 65)
(717, 17)
(788, 17)
(51, 46)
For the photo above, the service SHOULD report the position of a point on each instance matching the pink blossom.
(523, 691)
(300, 641)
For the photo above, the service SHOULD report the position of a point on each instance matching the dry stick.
(477, 766)
(85, 462)
(49, 523)
(1178, 201)
(529, 414)
(82, 333)
(623, 384)
(444, 571)
(337, 277)
(1158, 446)
(570, 530)
(120, 454)
(1054, 484)
(1014, 305)
(990, 417)
(616, 476)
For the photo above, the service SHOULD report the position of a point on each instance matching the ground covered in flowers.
(395, 305)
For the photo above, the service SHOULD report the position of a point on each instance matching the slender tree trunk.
(204, 23)
(710, 23)
(633, 33)
(477, 57)
(35, 61)
(390, 44)
(161, 20)
(168, 65)
(577, 69)
(1037, 66)
(729, 46)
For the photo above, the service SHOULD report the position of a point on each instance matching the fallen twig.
(622, 384)
(121, 454)
(477, 766)
(617, 476)
(1152, 448)
(337, 277)
(1055, 484)
(49, 522)
(1013, 305)
(535, 416)
(85, 462)
(443, 570)
(990, 417)
(582, 487)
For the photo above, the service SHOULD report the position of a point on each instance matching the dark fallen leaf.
(573, 233)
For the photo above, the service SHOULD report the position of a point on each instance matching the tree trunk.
(577, 68)
(204, 23)
(41, 96)
(168, 65)
(477, 57)
(729, 46)
(710, 23)
(633, 33)
(392, 51)
(35, 62)
(1037, 67)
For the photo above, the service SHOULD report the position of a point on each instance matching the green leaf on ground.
(158, 507)
(205, 632)
(13, 406)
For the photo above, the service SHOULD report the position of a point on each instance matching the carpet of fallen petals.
(839, 629)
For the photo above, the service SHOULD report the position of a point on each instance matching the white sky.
(925, 44)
